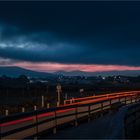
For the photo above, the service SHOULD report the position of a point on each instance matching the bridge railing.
(31, 124)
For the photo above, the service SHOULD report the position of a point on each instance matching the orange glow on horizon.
(52, 67)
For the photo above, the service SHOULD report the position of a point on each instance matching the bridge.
(33, 124)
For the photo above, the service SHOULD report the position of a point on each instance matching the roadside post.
(59, 90)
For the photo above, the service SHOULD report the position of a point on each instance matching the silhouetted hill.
(13, 71)
(16, 71)
(103, 73)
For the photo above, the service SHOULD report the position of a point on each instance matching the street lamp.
(81, 91)
(59, 90)
(42, 101)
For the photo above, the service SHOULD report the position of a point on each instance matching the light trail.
(99, 99)
(100, 96)
(91, 100)
(32, 117)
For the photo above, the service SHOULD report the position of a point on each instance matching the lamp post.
(81, 91)
(23, 109)
(6, 112)
(59, 90)
(42, 101)
(66, 96)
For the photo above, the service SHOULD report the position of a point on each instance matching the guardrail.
(31, 124)
(132, 121)
(68, 101)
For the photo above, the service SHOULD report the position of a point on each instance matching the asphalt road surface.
(109, 126)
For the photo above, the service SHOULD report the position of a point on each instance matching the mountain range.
(14, 71)
(102, 73)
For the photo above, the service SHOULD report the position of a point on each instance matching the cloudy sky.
(86, 36)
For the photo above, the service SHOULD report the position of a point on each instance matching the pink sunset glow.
(52, 67)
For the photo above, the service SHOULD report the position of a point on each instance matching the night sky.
(86, 36)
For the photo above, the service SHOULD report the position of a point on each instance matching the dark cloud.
(71, 32)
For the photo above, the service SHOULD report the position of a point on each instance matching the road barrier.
(132, 121)
(68, 101)
(32, 124)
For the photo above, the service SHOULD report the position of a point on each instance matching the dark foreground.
(109, 126)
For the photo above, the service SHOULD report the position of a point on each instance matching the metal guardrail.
(68, 101)
(29, 124)
(132, 121)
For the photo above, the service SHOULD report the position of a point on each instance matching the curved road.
(109, 126)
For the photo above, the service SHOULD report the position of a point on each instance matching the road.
(109, 126)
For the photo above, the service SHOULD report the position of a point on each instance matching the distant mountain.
(73, 73)
(16, 71)
(103, 73)
(13, 71)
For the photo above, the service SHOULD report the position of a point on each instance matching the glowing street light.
(81, 91)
